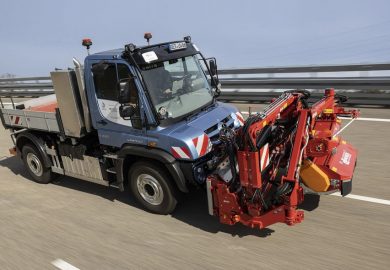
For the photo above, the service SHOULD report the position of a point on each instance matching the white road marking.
(344, 127)
(363, 198)
(63, 265)
(358, 119)
(369, 119)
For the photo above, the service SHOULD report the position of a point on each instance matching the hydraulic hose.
(263, 137)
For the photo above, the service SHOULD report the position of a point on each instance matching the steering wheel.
(163, 96)
(187, 83)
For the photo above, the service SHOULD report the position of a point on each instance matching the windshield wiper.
(195, 114)
(208, 107)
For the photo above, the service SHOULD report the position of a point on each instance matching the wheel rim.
(150, 189)
(34, 164)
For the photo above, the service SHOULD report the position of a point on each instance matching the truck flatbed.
(30, 119)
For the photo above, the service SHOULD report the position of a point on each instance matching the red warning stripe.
(240, 118)
(15, 120)
(264, 157)
(180, 152)
(201, 144)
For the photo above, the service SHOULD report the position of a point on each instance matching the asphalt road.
(94, 227)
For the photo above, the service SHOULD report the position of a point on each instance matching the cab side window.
(106, 83)
(106, 77)
(123, 71)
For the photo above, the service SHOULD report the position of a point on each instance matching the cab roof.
(111, 54)
(161, 50)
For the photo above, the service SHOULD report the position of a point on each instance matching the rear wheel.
(34, 163)
(151, 186)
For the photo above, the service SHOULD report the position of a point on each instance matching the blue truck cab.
(154, 123)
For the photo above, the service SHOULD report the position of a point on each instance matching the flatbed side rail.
(16, 119)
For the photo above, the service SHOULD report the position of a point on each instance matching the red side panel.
(249, 166)
(343, 161)
(254, 169)
(243, 166)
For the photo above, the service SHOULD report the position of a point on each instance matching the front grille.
(213, 131)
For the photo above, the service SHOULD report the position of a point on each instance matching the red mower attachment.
(278, 153)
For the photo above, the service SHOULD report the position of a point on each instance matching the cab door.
(112, 129)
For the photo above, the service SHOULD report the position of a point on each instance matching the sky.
(38, 36)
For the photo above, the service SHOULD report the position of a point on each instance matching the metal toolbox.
(69, 102)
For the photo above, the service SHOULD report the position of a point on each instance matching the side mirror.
(127, 89)
(213, 67)
(126, 111)
(215, 83)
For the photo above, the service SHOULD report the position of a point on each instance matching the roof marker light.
(148, 36)
(87, 42)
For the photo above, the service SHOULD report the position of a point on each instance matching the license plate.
(177, 46)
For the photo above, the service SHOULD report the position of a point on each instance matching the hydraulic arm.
(277, 154)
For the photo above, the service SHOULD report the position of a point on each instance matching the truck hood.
(193, 138)
(205, 121)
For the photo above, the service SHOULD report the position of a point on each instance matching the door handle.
(102, 122)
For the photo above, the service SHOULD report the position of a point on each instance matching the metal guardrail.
(5, 80)
(26, 87)
(344, 83)
(237, 88)
(261, 97)
(307, 69)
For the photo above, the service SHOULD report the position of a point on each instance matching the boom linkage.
(275, 164)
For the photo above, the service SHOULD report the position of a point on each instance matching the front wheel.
(151, 186)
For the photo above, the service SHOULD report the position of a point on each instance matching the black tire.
(146, 181)
(33, 161)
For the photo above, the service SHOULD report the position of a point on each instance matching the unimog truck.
(141, 118)
(147, 119)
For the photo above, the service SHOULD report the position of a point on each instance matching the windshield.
(177, 87)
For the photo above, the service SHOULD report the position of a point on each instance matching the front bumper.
(196, 171)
